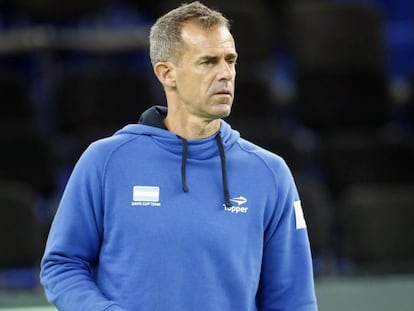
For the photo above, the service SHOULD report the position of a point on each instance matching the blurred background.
(327, 84)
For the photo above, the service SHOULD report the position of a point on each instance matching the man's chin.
(222, 110)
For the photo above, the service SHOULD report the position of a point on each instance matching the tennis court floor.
(334, 294)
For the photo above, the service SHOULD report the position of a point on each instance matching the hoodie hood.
(154, 116)
(151, 123)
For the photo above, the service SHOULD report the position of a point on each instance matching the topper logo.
(238, 208)
(239, 201)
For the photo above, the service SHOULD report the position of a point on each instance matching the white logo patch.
(300, 218)
(145, 195)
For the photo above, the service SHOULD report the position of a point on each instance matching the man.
(178, 213)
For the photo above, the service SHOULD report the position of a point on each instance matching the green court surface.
(334, 294)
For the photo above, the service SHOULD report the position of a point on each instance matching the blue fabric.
(127, 237)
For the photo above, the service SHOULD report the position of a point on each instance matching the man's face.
(205, 73)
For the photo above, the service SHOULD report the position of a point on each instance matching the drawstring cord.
(223, 168)
(183, 164)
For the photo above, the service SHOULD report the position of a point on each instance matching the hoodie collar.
(155, 116)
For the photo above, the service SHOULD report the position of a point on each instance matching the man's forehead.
(216, 37)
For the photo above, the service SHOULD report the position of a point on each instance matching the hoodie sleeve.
(286, 282)
(74, 241)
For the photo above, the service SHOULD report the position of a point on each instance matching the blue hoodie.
(152, 222)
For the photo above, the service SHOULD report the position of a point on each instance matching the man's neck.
(191, 127)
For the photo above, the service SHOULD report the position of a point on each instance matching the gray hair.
(165, 35)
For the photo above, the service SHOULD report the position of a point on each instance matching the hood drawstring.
(223, 168)
(183, 164)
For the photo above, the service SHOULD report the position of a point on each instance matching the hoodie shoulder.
(128, 133)
(102, 148)
(273, 161)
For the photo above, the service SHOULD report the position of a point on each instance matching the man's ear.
(165, 72)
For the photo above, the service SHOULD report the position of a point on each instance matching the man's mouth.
(223, 92)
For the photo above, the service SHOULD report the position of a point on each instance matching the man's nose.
(226, 71)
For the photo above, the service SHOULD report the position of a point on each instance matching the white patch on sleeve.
(300, 219)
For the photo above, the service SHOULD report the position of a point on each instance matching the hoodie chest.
(150, 202)
(157, 187)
